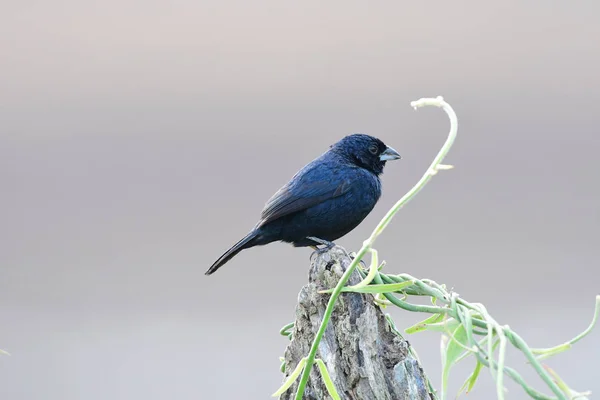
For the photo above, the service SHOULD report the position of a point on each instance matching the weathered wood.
(365, 358)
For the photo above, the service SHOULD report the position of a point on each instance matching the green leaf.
(379, 288)
(4, 352)
(451, 351)
(471, 380)
(552, 351)
(572, 394)
(287, 330)
(381, 301)
(450, 324)
(282, 366)
(422, 326)
(372, 271)
(327, 380)
(456, 346)
(291, 379)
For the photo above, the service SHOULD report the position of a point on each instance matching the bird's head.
(365, 151)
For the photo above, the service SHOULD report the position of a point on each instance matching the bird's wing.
(312, 185)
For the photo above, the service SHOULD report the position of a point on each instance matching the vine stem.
(435, 166)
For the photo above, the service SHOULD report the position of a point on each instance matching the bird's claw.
(328, 245)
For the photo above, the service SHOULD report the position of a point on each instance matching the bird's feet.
(327, 245)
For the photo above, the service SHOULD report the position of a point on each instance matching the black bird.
(324, 200)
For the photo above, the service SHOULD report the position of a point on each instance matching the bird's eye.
(373, 149)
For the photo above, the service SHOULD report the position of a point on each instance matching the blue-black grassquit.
(325, 200)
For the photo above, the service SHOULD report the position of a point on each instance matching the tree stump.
(365, 358)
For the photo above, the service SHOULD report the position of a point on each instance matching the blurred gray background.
(139, 140)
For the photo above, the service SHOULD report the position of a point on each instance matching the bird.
(323, 201)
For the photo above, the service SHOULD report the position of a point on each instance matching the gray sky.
(140, 140)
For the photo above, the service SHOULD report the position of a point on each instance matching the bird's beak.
(389, 154)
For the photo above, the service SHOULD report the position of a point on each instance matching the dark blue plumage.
(326, 199)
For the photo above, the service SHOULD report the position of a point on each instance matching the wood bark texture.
(365, 358)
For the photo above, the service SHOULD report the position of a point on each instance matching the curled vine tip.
(428, 101)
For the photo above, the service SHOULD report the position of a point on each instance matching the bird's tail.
(245, 243)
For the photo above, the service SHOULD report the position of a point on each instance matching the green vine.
(467, 328)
